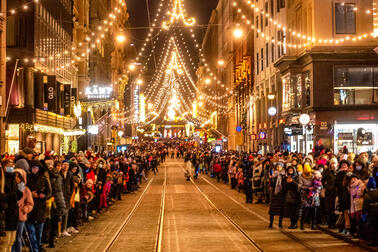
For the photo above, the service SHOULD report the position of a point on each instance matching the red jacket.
(217, 167)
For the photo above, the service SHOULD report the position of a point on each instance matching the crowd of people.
(47, 196)
(321, 188)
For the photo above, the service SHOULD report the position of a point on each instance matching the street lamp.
(220, 62)
(238, 33)
(304, 119)
(207, 81)
(139, 82)
(132, 67)
(121, 38)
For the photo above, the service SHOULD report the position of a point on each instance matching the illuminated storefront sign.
(136, 102)
(97, 92)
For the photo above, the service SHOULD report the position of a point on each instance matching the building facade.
(40, 76)
(3, 103)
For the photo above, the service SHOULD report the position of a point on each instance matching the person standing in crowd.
(329, 184)
(370, 213)
(23, 158)
(67, 184)
(292, 197)
(343, 199)
(8, 204)
(357, 188)
(307, 197)
(276, 206)
(25, 206)
(40, 190)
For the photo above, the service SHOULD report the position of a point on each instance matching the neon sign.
(96, 92)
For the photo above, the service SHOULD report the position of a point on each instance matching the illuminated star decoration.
(178, 13)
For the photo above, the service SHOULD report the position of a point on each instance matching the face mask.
(100, 165)
(300, 173)
(321, 170)
(9, 169)
(358, 168)
(21, 186)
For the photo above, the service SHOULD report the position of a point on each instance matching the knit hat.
(299, 168)
(307, 168)
(371, 184)
(333, 161)
(351, 157)
(28, 150)
(310, 158)
(344, 162)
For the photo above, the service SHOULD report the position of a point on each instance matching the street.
(198, 215)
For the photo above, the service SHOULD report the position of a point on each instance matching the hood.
(20, 155)
(23, 174)
(361, 161)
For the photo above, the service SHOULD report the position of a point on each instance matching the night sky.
(200, 9)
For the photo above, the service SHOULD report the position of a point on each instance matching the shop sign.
(253, 137)
(51, 95)
(366, 139)
(323, 126)
(67, 100)
(239, 129)
(345, 136)
(262, 135)
(98, 92)
(288, 131)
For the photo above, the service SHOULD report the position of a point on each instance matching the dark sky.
(200, 9)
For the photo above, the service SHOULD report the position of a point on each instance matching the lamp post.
(304, 119)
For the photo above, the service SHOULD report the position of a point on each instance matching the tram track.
(250, 240)
(159, 233)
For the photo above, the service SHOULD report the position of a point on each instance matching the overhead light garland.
(178, 13)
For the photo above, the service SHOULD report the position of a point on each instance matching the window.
(262, 22)
(272, 51)
(257, 63)
(307, 86)
(345, 18)
(262, 59)
(355, 85)
(292, 92)
(267, 54)
(272, 8)
(266, 12)
(278, 5)
(16, 31)
(282, 3)
(257, 26)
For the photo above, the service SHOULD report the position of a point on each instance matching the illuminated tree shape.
(178, 13)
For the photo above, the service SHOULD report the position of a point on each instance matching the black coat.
(67, 187)
(292, 198)
(38, 183)
(342, 191)
(329, 184)
(277, 201)
(11, 196)
(59, 205)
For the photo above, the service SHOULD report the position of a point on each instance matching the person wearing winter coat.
(58, 205)
(40, 189)
(276, 206)
(8, 204)
(305, 187)
(370, 213)
(329, 184)
(217, 169)
(25, 206)
(360, 169)
(23, 158)
(342, 193)
(67, 185)
(357, 188)
(292, 197)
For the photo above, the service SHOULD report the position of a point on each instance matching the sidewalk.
(334, 232)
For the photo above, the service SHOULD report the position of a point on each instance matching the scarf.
(278, 187)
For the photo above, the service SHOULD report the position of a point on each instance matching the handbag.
(340, 221)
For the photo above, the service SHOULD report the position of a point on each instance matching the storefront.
(357, 137)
